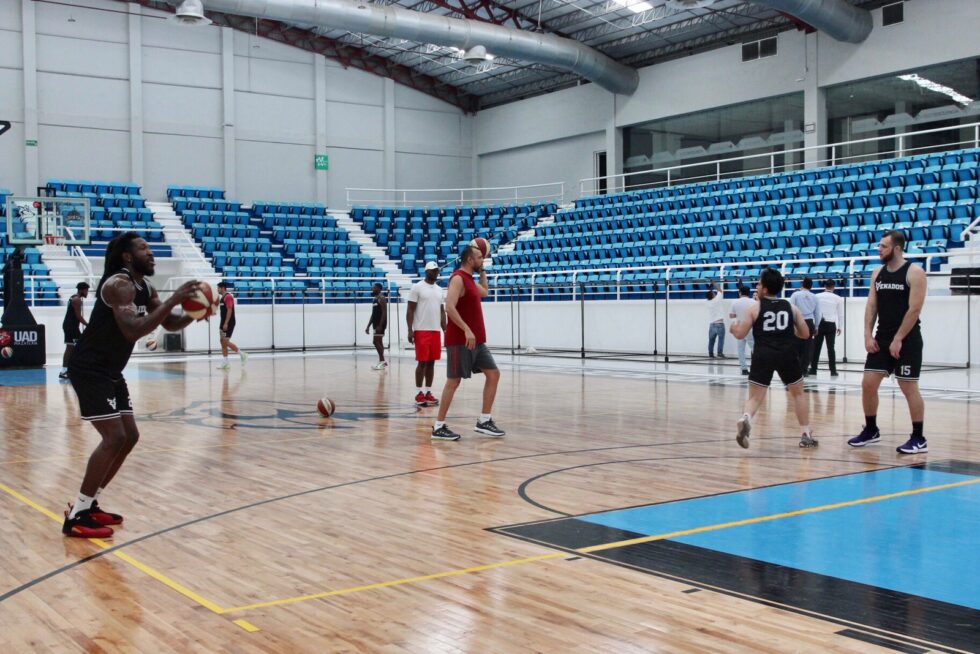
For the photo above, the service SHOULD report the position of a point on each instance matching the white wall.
(140, 99)
(933, 32)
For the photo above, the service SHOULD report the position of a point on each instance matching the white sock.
(747, 417)
(224, 357)
(426, 389)
(98, 492)
(82, 503)
(419, 390)
(484, 417)
(806, 430)
(439, 425)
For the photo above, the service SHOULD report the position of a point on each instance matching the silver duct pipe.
(441, 30)
(838, 18)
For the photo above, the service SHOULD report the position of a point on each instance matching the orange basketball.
(203, 303)
(325, 406)
(482, 244)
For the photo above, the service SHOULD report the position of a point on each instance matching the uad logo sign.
(18, 337)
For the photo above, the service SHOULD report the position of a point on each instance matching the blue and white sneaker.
(915, 445)
(866, 437)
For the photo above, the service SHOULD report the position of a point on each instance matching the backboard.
(48, 221)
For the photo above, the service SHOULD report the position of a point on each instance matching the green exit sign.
(32, 143)
(321, 162)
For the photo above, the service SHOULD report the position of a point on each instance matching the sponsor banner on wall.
(22, 346)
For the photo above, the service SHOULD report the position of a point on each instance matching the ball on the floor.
(7, 352)
(325, 407)
(203, 303)
(481, 244)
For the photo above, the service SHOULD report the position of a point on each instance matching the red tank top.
(470, 310)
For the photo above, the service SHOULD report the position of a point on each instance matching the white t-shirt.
(741, 306)
(716, 308)
(428, 299)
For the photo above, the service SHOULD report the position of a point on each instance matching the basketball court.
(618, 514)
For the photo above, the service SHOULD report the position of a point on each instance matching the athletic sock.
(419, 389)
(426, 389)
(439, 425)
(917, 430)
(747, 417)
(871, 422)
(484, 417)
(98, 492)
(806, 430)
(82, 503)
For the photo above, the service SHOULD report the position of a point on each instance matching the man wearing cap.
(426, 317)
(226, 326)
(72, 325)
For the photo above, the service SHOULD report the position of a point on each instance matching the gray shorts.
(462, 362)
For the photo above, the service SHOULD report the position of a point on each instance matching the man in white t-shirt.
(740, 309)
(426, 317)
(831, 308)
(716, 318)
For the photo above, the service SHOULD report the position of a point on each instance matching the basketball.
(325, 406)
(482, 244)
(7, 352)
(151, 344)
(203, 304)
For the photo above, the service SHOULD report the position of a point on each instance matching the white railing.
(390, 197)
(827, 154)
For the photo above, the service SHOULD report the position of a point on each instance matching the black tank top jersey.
(223, 308)
(103, 349)
(774, 326)
(893, 290)
(71, 324)
(376, 311)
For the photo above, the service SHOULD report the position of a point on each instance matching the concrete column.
(136, 93)
(900, 145)
(790, 158)
(228, 108)
(32, 174)
(814, 107)
(320, 118)
(389, 136)
(614, 153)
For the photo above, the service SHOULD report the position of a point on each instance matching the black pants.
(805, 348)
(827, 330)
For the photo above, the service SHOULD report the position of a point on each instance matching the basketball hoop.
(49, 239)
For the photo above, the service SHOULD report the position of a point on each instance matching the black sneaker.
(915, 445)
(84, 525)
(866, 437)
(744, 428)
(63, 374)
(833, 373)
(489, 428)
(444, 433)
(745, 372)
(807, 441)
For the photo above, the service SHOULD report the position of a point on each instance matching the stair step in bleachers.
(835, 212)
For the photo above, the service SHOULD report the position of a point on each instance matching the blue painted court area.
(922, 544)
(49, 375)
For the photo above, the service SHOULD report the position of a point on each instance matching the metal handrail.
(833, 160)
(557, 196)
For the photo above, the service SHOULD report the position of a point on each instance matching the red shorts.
(428, 346)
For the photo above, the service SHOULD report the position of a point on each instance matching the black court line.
(101, 553)
(895, 617)
(881, 642)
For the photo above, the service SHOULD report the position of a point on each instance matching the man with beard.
(898, 291)
(379, 322)
(426, 321)
(126, 308)
(72, 325)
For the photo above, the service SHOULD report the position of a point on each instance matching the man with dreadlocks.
(127, 308)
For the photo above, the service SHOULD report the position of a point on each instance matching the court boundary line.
(603, 547)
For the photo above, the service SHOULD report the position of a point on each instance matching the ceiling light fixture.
(636, 6)
(936, 87)
(190, 13)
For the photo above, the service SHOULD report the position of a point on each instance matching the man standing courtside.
(228, 317)
(804, 300)
(426, 318)
(72, 325)
(379, 322)
(740, 309)
(830, 307)
(898, 291)
(466, 344)
(127, 308)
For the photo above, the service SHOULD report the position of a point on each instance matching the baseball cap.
(432, 265)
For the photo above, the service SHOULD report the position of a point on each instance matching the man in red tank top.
(466, 344)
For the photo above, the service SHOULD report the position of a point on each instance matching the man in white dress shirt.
(716, 316)
(740, 308)
(831, 311)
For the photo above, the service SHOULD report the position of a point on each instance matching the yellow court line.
(599, 548)
(246, 625)
(142, 567)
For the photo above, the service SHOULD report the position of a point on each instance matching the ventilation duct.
(837, 18)
(441, 30)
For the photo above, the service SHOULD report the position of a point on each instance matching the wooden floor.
(252, 525)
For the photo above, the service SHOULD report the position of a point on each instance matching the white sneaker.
(243, 355)
(381, 365)
(744, 429)
(225, 366)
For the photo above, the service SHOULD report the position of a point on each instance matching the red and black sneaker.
(83, 525)
(420, 399)
(431, 399)
(104, 518)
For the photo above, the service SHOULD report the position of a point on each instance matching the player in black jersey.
(72, 325)
(898, 291)
(127, 308)
(777, 327)
(379, 321)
